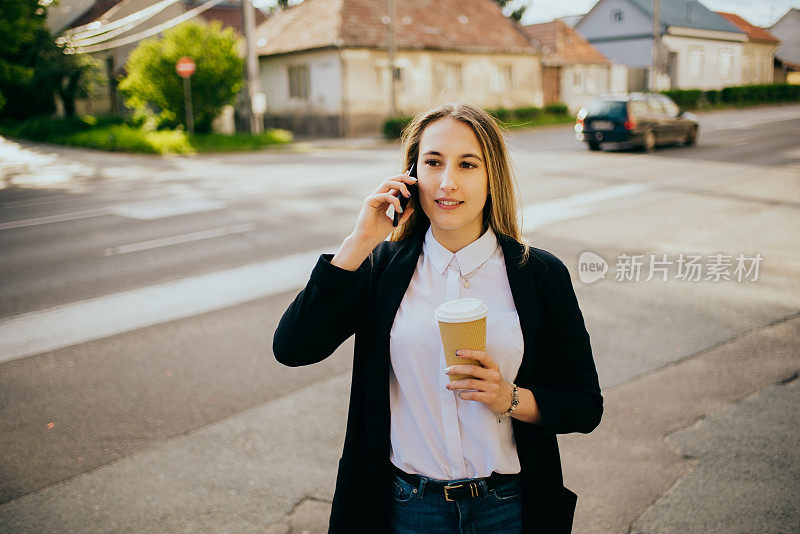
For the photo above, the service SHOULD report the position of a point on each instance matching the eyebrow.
(462, 155)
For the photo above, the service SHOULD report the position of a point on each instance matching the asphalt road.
(139, 295)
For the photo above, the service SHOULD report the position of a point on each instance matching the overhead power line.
(96, 28)
(78, 49)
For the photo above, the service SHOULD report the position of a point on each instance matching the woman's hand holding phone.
(373, 225)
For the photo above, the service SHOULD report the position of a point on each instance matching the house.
(699, 48)
(759, 51)
(787, 57)
(573, 70)
(139, 16)
(325, 63)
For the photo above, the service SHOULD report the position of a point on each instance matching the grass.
(113, 134)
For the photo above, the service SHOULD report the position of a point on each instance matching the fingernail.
(458, 353)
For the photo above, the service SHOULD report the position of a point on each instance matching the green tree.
(153, 87)
(22, 26)
(33, 68)
(515, 14)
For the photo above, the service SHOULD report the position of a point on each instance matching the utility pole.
(253, 80)
(653, 78)
(392, 51)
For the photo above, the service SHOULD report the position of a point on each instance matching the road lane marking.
(70, 324)
(180, 239)
(78, 322)
(74, 216)
(161, 209)
(543, 213)
(156, 209)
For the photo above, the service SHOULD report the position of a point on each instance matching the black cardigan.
(557, 366)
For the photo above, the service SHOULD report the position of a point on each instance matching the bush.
(394, 126)
(739, 95)
(118, 134)
(527, 113)
(153, 87)
(502, 114)
(713, 97)
(685, 98)
(123, 137)
(556, 109)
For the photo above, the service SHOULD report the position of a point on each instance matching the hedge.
(393, 127)
(739, 95)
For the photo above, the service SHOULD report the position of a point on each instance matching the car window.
(606, 108)
(656, 107)
(670, 106)
(639, 109)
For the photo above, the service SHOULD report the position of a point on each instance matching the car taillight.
(630, 123)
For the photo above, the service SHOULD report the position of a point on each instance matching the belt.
(463, 489)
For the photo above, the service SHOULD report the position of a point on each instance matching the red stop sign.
(185, 67)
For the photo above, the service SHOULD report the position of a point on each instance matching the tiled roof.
(562, 45)
(687, 14)
(463, 25)
(755, 33)
(230, 16)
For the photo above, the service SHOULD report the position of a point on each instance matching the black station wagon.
(644, 120)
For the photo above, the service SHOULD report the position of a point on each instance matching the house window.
(448, 77)
(617, 16)
(384, 77)
(577, 79)
(726, 63)
(298, 81)
(591, 82)
(502, 79)
(695, 62)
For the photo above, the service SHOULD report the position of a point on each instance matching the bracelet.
(514, 403)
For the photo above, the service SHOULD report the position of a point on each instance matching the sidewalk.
(735, 470)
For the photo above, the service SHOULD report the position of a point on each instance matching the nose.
(448, 182)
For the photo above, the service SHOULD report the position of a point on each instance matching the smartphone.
(412, 188)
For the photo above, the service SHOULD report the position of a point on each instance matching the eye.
(470, 165)
(431, 162)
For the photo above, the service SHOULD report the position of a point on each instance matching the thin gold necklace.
(470, 274)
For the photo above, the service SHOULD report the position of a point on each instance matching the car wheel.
(593, 145)
(691, 136)
(649, 141)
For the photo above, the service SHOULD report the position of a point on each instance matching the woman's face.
(451, 166)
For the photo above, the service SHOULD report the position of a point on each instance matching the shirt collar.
(469, 258)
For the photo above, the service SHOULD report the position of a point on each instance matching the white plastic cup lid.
(461, 310)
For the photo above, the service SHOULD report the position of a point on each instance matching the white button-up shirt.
(433, 432)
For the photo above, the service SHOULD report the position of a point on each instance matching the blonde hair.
(503, 210)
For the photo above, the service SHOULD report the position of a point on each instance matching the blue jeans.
(415, 511)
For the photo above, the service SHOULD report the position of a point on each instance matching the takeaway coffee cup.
(462, 325)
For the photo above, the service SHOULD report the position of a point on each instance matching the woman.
(423, 454)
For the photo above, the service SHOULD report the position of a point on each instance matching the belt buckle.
(473, 490)
(446, 496)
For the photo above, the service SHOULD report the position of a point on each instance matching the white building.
(574, 71)
(700, 49)
(325, 63)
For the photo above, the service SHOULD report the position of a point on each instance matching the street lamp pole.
(392, 52)
(653, 78)
(253, 80)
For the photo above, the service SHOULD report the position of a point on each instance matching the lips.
(449, 202)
